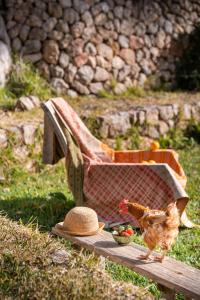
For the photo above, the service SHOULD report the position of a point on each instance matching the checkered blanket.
(110, 176)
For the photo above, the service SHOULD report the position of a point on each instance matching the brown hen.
(160, 227)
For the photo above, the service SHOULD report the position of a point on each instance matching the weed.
(176, 139)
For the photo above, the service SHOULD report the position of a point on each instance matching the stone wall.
(86, 46)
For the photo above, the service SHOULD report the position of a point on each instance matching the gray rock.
(5, 63)
(27, 103)
(34, 21)
(139, 55)
(70, 74)
(160, 39)
(90, 49)
(152, 28)
(24, 32)
(80, 88)
(77, 29)
(62, 26)
(33, 58)
(64, 60)
(168, 27)
(72, 93)
(166, 112)
(87, 19)
(44, 69)
(29, 131)
(92, 62)
(50, 24)
(17, 133)
(100, 19)
(105, 51)
(21, 153)
(57, 71)
(3, 33)
(14, 31)
(126, 28)
(3, 139)
(142, 79)
(119, 88)
(152, 115)
(153, 132)
(123, 41)
(96, 87)
(55, 10)
(60, 256)
(59, 86)
(101, 62)
(124, 73)
(101, 74)
(128, 55)
(163, 127)
(119, 123)
(118, 12)
(31, 46)
(55, 35)
(51, 52)
(117, 63)
(16, 44)
(37, 34)
(65, 3)
(70, 16)
(141, 116)
(187, 111)
(86, 74)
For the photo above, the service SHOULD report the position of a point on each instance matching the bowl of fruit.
(123, 234)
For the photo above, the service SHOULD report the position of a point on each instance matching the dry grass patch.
(35, 266)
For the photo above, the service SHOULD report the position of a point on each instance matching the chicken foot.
(146, 256)
(161, 257)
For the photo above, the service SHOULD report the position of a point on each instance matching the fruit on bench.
(154, 146)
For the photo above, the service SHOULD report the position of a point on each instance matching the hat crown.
(81, 219)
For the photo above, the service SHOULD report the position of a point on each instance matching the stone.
(118, 12)
(160, 39)
(16, 44)
(27, 103)
(57, 71)
(152, 28)
(37, 34)
(64, 60)
(34, 21)
(90, 49)
(82, 89)
(5, 63)
(135, 42)
(55, 35)
(3, 33)
(72, 93)
(168, 27)
(81, 6)
(166, 112)
(65, 3)
(50, 24)
(86, 74)
(101, 74)
(62, 26)
(153, 132)
(187, 111)
(24, 32)
(70, 16)
(59, 86)
(89, 34)
(44, 69)
(141, 116)
(31, 46)
(92, 62)
(96, 87)
(119, 88)
(117, 63)
(152, 115)
(128, 55)
(163, 127)
(3, 139)
(70, 74)
(81, 60)
(126, 28)
(33, 58)
(55, 10)
(119, 123)
(100, 19)
(142, 79)
(123, 41)
(77, 47)
(77, 29)
(51, 52)
(124, 73)
(60, 256)
(14, 31)
(29, 131)
(105, 51)
(21, 153)
(87, 19)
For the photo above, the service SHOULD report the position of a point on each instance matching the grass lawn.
(43, 198)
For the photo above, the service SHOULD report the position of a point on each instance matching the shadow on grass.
(44, 211)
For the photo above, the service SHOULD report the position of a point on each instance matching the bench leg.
(166, 293)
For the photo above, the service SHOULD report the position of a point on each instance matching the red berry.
(130, 231)
(124, 233)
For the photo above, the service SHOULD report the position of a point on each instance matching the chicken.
(160, 227)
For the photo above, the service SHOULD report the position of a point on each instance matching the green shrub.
(193, 131)
(176, 139)
(188, 68)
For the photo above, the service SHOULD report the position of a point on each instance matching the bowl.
(122, 240)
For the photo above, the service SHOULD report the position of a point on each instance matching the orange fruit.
(152, 161)
(155, 146)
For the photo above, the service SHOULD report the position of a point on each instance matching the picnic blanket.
(110, 176)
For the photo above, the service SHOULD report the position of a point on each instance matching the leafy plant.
(193, 131)
(176, 139)
(188, 68)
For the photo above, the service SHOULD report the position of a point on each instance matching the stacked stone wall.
(83, 47)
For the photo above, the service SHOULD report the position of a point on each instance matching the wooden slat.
(172, 274)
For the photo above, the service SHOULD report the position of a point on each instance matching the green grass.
(24, 80)
(43, 197)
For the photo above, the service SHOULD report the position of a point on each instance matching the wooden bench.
(171, 275)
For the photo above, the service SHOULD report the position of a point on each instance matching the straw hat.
(81, 221)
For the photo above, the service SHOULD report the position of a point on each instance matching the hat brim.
(59, 226)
